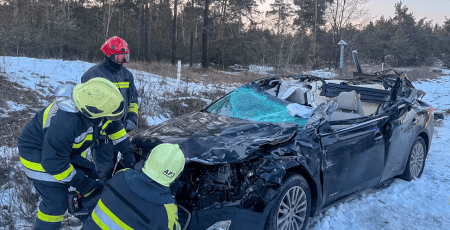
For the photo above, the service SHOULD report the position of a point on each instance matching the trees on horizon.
(299, 33)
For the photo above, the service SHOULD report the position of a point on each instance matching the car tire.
(416, 160)
(288, 215)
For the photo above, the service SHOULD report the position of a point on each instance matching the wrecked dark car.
(279, 150)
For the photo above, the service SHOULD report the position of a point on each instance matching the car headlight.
(221, 225)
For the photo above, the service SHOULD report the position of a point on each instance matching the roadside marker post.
(179, 74)
(342, 43)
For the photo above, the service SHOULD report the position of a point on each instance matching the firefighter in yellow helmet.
(141, 199)
(50, 146)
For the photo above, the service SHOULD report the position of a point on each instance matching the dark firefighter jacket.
(54, 139)
(123, 79)
(132, 200)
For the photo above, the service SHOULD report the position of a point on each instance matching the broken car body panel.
(341, 135)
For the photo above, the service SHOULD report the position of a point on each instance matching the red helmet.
(117, 49)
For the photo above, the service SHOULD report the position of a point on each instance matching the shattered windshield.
(249, 103)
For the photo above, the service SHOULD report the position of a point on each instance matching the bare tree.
(174, 32)
(342, 14)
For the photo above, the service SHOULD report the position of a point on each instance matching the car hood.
(212, 139)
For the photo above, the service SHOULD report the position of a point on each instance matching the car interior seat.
(349, 106)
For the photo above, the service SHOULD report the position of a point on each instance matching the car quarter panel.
(404, 131)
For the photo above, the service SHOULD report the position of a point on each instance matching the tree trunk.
(314, 57)
(174, 33)
(205, 36)
(191, 35)
(149, 32)
(141, 32)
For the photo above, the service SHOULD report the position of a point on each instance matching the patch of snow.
(15, 107)
(154, 120)
(322, 73)
(230, 73)
(265, 70)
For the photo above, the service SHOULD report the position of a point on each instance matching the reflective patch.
(32, 165)
(47, 177)
(118, 135)
(172, 216)
(102, 132)
(133, 108)
(115, 142)
(49, 112)
(68, 173)
(107, 218)
(122, 85)
(98, 221)
(78, 145)
(49, 218)
(83, 135)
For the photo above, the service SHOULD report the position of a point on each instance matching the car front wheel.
(292, 206)
(416, 161)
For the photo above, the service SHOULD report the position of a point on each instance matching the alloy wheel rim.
(416, 162)
(292, 210)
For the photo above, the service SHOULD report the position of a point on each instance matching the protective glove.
(89, 187)
(129, 125)
(128, 159)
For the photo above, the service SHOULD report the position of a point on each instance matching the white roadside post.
(342, 43)
(179, 74)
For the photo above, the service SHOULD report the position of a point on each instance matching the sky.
(435, 10)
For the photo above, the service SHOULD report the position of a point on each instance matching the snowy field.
(419, 204)
(43, 75)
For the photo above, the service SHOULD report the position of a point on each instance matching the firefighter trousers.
(52, 206)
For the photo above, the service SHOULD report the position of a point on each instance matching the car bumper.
(240, 218)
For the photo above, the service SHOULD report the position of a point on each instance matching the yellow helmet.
(99, 97)
(165, 163)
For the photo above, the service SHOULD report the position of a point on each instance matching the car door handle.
(378, 135)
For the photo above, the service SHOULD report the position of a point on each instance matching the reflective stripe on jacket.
(123, 79)
(52, 139)
(121, 208)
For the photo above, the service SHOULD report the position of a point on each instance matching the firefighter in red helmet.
(116, 54)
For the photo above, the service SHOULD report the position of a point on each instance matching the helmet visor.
(120, 58)
(116, 115)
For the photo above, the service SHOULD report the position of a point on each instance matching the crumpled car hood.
(212, 139)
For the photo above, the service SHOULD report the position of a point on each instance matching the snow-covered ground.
(43, 75)
(322, 73)
(419, 204)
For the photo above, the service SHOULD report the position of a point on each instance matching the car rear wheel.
(416, 161)
(292, 206)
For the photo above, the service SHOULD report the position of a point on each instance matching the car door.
(402, 135)
(352, 158)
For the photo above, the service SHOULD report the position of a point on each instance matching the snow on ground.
(12, 106)
(43, 75)
(265, 70)
(321, 73)
(419, 204)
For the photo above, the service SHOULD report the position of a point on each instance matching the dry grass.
(194, 74)
(413, 73)
(421, 73)
(11, 126)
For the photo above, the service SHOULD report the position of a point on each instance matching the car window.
(249, 103)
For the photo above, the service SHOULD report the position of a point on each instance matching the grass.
(11, 126)
(194, 74)
(413, 73)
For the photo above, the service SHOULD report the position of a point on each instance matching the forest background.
(293, 34)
